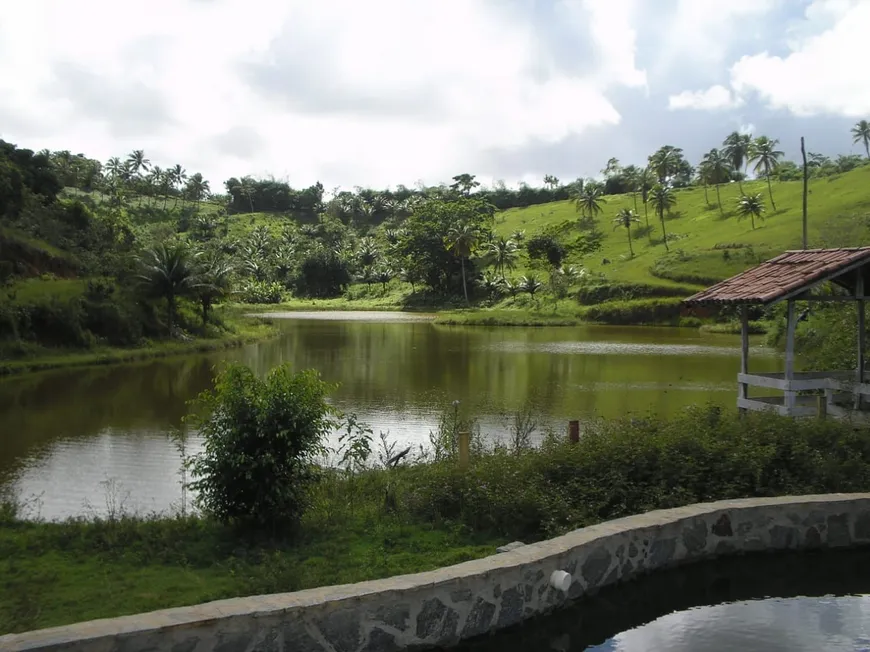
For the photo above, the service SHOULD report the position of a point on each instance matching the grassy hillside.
(709, 246)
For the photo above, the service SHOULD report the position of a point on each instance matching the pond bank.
(244, 331)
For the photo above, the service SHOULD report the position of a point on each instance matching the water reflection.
(62, 433)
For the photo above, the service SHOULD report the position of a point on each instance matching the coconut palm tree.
(625, 218)
(766, 158)
(645, 182)
(491, 284)
(179, 179)
(383, 275)
(168, 272)
(215, 275)
(662, 199)
(504, 255)
(752, 206)
(137, 164)
(861, 134)
(462, 240)
(245, 188)
(736, 149)
(198, 188)
(631, 173)
(664, 162)
(530, 284)
(518, 235)
(590, 199)
(715, 169)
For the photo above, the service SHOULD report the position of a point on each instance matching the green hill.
(707, 245)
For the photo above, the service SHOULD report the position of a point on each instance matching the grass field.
(710, 246)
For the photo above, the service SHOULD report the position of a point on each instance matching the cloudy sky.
(384, 92)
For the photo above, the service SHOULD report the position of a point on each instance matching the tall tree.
(464, 183)
(662, 198)
(645, 182)
(590, 199)
(179, 179)
(137, 164)
(736, 149)
(665, 163)
(631, 175)
(861, 134)
(751, 206)
(625, 218)
(551, 181)
(613, 168)
(766, 158)
(214, 281)
(198, 188)
(461, 240)
(504, 255)
(246, 188)
(716, 170)
(168, 271)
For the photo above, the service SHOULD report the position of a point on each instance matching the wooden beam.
(790, 395)
(859, 292)
(806, 177)
(743, 388)
(831, 298)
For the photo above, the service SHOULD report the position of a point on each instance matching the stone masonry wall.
(444, 606)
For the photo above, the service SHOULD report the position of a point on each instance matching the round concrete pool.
(761, 602)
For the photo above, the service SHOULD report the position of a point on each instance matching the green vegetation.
(368, 519)
(154, 249)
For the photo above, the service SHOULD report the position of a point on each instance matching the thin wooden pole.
(790, 394)
(574, 432)
(859, 292)
(464, 449)
(806, 176)
(743, 388)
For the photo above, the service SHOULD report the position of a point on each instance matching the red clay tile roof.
(784, 275)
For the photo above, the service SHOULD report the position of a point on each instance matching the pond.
(73, 440)
(758, 603)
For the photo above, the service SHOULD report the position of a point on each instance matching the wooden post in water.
(574, 432)
(464, 449)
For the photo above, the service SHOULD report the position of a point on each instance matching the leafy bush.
(598, 292)
(260, 440)
(322, 274)
(262, 292)
(631, 466)
(641, 311)
(546, 247)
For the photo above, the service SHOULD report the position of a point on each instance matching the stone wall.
(444, 606)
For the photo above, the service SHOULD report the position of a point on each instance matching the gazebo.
(791, 277)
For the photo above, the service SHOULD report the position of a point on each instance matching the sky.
(387, 92)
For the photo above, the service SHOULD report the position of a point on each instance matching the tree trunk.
(630, 248)
(165, 197)
(170, 312)
(646, 217)
(664, 233)
(634, 195)
(251, 199)
(719, 199)
(464, 286)
(206, 306)
(770, 192)
(706, 197)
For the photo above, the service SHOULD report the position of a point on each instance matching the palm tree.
(662, 198)
(167, 271)
(198, 188)
(530, 284)
(462, 240)
(631, 174)
(137, 163)
(383, 275)
(715, 169)
(179, 178)
(519, 235)
(664, 162)
(736, 149)
(214, 281)
(751, 205)
(504, 255)
(645, 182)
(766, 158)
(861, 134)
(625, 218)
(245, 188)
(589, 200)
(491, 283)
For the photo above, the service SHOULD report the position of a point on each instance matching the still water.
(760, 603)
(71, 439)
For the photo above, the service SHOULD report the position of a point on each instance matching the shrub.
(260, 440)
(322, 274)
(262, 292)
(641, 311)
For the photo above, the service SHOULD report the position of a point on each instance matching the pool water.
(754, 603)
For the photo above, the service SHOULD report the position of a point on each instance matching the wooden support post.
(464, 449)
(790, 394)
(806, 177)
(859, 376)
(743, 388)
(823, 406)
(574, 432)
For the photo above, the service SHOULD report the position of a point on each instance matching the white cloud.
(824, 73)
(714, 98)
(348, 92)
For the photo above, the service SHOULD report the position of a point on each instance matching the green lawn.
(838, 210)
